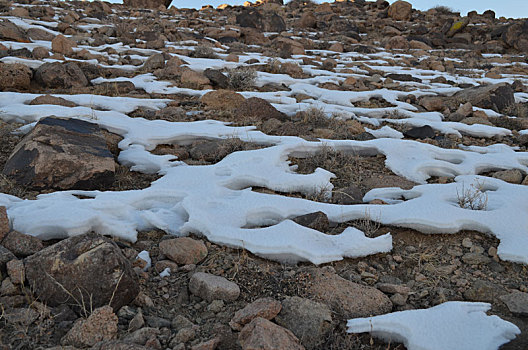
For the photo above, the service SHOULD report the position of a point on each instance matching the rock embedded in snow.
(310, 321)
(211, 287)
(57, 75)
(183, 250)
(513, 176)
(517, 303)
(101, 325)
(85, 267)
(21, 245)
(62, 154)
(346, 297)
(497, 97)
(15, 76)
(10, 32)
(4, 223)
(451, 325)
(421, 132)
(266, 308)
(63, 45)
(256, 108)
(316, 221)
(222, 100)
(265, 335)
(51, 100)
(217, 78)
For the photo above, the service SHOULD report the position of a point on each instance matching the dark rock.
(217, 78)
(64, 154)
(60, 75)
(22, 245)
(316, 221)
(421, 132)
(259, 109)
(403, 77)
(497, 97)
(348, 195)
(88, 268)
(10, 32)
(14, 76)
(482, 290)
(147, 4)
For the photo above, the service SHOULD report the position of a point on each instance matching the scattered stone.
(101, 325)
(62, 154)
(222, 100)
(211, 287)
(497, 97)
(15, 271)
(21, 316)
(264, 335)
(310, 321)
(266, 308)
(393, 288)
(61, 44)
(86, 267)
(57, 75)
(22, 245)
(258, 109)
(482, 290)
(400, 11)
(217, 78)
(433, 103)
(4, 223)
(51, 100)
(10, 32)
(475, 259)
(183, 250)
(147, 4)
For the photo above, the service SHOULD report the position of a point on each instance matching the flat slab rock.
(266, 308)
(517, 303)
(62, 154)
(211, 287)
(266, 335)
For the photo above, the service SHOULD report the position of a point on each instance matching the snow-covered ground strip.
(451, 325)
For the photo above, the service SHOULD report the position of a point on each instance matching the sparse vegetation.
(443, 10)
(242, 78)
(203, 52)
(472, 197)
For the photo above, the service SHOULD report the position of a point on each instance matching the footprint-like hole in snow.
(449, 159)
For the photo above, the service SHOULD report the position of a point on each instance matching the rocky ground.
(92, 291)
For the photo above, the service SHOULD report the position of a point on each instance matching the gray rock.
(316, 221)
(22, 245)
(310, 321)
(513, 176)
(475, 259)
(88, 267)
(482, 290)
(497, 97)
(60, 75)
(211, 287)
(517, 303)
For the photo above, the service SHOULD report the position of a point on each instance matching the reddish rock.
(222, 99)
(4, 223)
(266, 308)
(101, 325)
(10, 32)
(15, 271)
(348, 298)
(400, 11)
(258, 109)
(57, 75)
(22, 245)
(432, 103)
(261, 334)
(51, 100)
(147, 4)
(183, 250)
(63, 45)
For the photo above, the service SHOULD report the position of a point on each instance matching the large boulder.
(347, 298)
(265, 335)
(516, 36)
(256, 108)
(101, 325)
(62, 154)
(498, 97)
(400, 11)
(57, 75)
(147, 4)
(14, 76)
(10, 32)
(270, 22)
(88, 271)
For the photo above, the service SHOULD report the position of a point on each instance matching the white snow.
(144, 255)
(451, 325)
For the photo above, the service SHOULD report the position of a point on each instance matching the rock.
(310, 321)
(475, 259)
(51, 100)
(147, 4)
(14, 76)
(5, 257)
(397, 43)
(258, 109)
(183, 250)
(347, 298)
(266, 308)
(15, 271)
(517, 303)
(457, 27)
(252, 18)
(217, 78)
(155, 61)
(288, 47)
(497, 97)
(157, 322)
(420, 132)
(222, 100)
(8, 288)
(21, 316)
(101, 325)
(10, 32)
(348, 195)
(336, 47)
(57, 75)
(307, 20)
(264, 335)
(482, 290)
(316, 221)
(400, 11)
(211, 287)
(194, 80)
(4, 223)
(432, 103)
(399, 299)
(513, 176)
(63, 45)
(207, 345)
(181, 322)
(62, 154)
(40, 52)
(113, 345)
(88, 267)
(22, 245)
(393, 288)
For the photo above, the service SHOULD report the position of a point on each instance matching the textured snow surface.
(451, 325)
